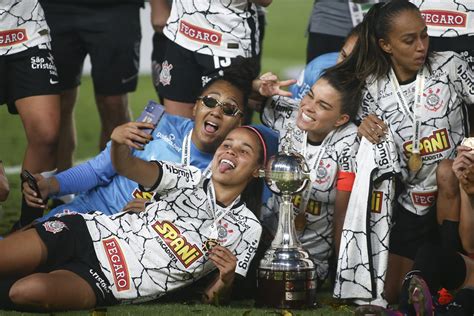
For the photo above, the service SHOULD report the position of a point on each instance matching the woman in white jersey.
(418, 97)
(324, 133)
(196, 225)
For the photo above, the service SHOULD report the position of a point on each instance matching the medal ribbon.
(414, 116)
(217, 211)
(186, 155)
(319, 155)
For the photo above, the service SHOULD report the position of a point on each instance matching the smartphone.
(152, 113)
(28, 177)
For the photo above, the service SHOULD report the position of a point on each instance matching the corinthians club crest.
(433, 100)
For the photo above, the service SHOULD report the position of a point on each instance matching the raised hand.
(268, 85)
(131, 134)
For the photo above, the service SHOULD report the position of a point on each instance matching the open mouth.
(306, 118)
(225, 165)
(210, 127)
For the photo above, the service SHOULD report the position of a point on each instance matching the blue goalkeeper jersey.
(115, 191)
(311, 74)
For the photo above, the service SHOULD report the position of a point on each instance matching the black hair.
(355, 31)
(368, 59)
(252, 193)
(349, 88)
(240, 75)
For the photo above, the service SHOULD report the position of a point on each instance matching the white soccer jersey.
(339, 156)
(443, 126)
(447, 18)
(22, 25)
(218, 27)
(164, 248)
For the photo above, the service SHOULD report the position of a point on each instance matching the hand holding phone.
(151, 114)
(30, 179)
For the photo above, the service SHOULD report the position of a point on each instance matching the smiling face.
(238, 158)
(407, 43)
(211, 125)
(320, 111)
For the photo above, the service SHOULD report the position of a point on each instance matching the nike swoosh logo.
(100, 289)
(129, 78)
(51, 81)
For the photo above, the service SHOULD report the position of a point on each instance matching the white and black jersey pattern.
(219, 27)
(164, 248)
(279, 113)
(448, 87)
(363, 252)
(22, 25)
(447, 18)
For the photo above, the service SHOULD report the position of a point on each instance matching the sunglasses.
(228, 109)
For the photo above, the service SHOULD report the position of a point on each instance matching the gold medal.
(300, 221)
(415, 162)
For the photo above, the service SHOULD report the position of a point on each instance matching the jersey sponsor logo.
(284, 110)
(165, 74)
(169, 139)
(376, 202)
(200, 34)
(252, 248)
(184, 251)
(466, 77)
(313, 206)
(424, 198)
(138, 194)
(345, 159)
(12, 37)
(117, 263)
(54, 226)
(186, 173)
(100, 284)
(436, 143)
(38, 62)
(444, 18)
(433, 100)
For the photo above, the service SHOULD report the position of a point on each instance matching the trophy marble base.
(287, 280)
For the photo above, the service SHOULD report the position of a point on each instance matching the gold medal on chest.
(415, 162)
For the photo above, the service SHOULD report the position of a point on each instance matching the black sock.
(28, 213)
(438, 267)
(5, 286)
(450, 238)
(463, 303)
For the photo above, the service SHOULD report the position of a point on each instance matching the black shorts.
(183, 73)
(28, 73)
(157, 57)
(319, 44)
(70, 248)
(411, 231)
(109, 34)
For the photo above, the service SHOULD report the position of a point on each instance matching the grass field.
(284, 47)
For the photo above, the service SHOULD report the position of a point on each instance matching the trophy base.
(286, 289)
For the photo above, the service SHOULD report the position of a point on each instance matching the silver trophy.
(286, 276)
